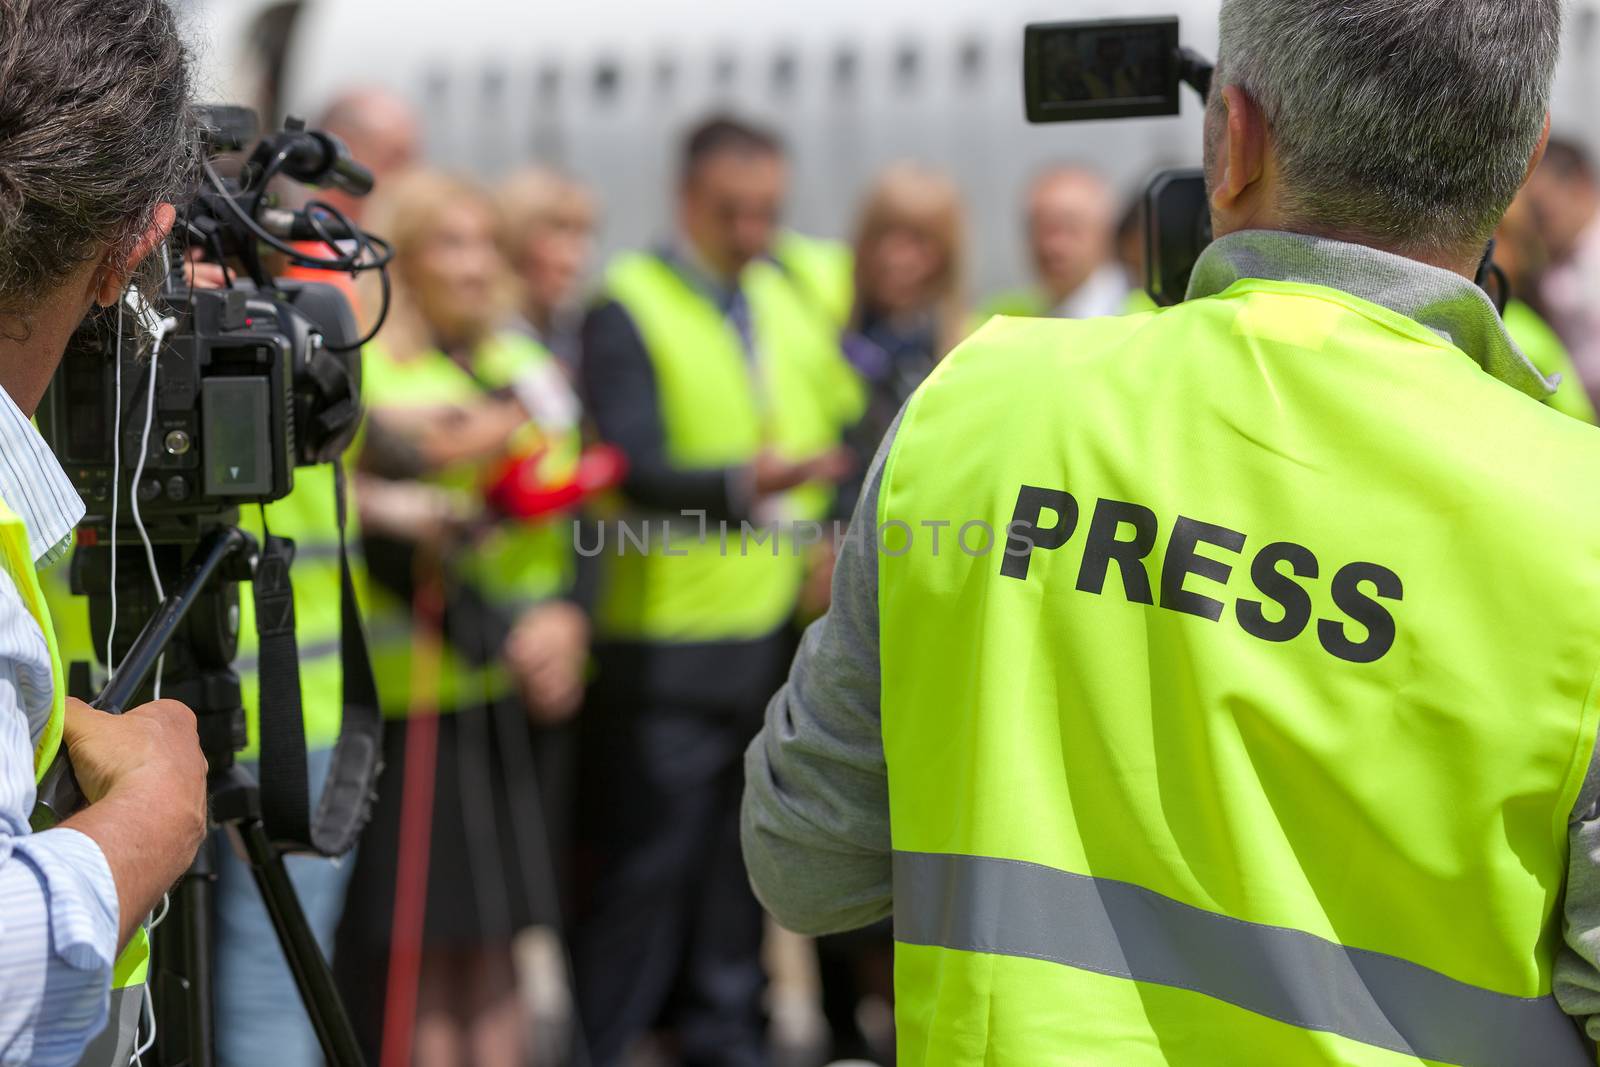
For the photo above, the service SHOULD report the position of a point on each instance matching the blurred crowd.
(567, 720)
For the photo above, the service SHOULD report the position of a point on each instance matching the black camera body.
(1129, 68)
(176, 408)
(248, 385)
(1177, 228)
(243, 383)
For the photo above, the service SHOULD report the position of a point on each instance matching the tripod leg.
(311, 973)
(195, 893)
(180, 972)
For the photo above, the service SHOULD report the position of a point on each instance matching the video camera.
(1129, 68)
(1136, 68)
(249, 381)
(172, 410)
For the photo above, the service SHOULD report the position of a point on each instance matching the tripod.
(192, 634)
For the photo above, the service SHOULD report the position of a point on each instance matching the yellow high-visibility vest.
(133, 966)
(720, 407)
(513, 566)
(1255, 742)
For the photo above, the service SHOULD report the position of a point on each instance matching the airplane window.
(494, 82)
(907, 63)
(845, 63)
(666, 73)
(785, 71)
(607, 79)
(969, 57)
(436, 84)
(549, 81)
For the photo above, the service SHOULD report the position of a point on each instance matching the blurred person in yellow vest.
(473, 636)
(730, 396)
(1071, 226)
(548, 238)
(1522, 256)
(1257, 646)
(822, 270)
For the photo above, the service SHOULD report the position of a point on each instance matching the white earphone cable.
(159, 328)
(116, 495)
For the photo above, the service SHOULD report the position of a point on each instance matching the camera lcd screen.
(1101, 70)
(234, 416)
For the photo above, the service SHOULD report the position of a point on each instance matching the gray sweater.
(816, 809)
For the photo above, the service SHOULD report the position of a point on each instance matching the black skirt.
(490, 866)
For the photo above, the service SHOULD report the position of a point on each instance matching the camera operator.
(1311, 781)
(95, 141)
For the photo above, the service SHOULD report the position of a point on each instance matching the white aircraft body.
(605, 88)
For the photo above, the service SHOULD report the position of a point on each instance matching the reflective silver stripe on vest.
(323, 552)
(1008, 908)
(114, 1045)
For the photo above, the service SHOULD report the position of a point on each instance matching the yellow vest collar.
(1444, 302)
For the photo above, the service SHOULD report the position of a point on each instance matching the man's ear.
(113, 277)
(1538, 152)
(1243, 152)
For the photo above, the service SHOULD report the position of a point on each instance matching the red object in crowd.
(415, 839)
(520, 493)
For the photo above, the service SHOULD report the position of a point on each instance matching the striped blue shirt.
(58, 903)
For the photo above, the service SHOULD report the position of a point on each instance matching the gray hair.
(1404, 123)
(95, 132)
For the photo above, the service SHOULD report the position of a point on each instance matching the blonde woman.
(470, 632)
(910, 307)
(548, 237)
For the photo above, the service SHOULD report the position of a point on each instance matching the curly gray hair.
(95, 132)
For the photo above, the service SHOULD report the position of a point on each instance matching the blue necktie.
(737, 312)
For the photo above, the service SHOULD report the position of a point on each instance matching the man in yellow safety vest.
(727, 389)
(95, 138)
(1244, 713)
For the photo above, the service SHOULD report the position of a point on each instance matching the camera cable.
(116, 495)
(370, 252)
(159, 328)
(147, 1007)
